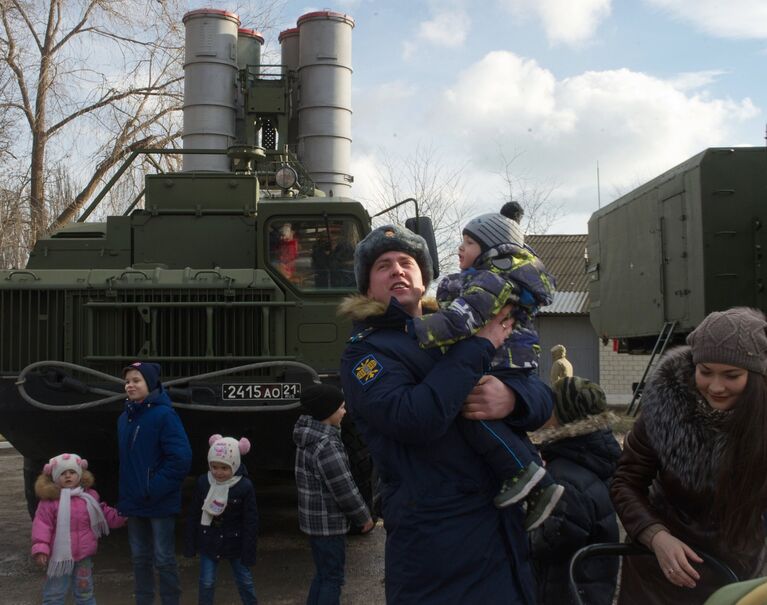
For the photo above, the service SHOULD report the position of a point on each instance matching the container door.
(674, 258)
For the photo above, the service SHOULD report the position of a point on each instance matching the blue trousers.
(329, 554)
(242, 577)
(153, 546)
(56, 589)
(503, 448)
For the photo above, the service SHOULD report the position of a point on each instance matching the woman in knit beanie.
(693, 474)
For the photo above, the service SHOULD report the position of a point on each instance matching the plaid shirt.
(327, 495)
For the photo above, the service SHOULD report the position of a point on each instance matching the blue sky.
(559, 85)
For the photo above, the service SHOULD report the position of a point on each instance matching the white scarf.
(61, 562)
(218, 496)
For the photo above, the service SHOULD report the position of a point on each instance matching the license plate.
(260, 391)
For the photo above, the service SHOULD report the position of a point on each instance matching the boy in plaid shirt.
(327, 495)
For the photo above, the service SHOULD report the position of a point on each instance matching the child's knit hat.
(734, 337)
(150, 371)
(322, 400)
(493, 229)
(65, 462)
(513, 210)
(387, 239)
(227, 450)
(577, 398)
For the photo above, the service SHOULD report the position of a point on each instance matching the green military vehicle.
(688, 242)
(229, 276)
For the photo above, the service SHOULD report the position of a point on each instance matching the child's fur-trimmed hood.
(589, 424)
(46, 489)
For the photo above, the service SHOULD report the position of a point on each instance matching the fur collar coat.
(665, 479)
(84, 541)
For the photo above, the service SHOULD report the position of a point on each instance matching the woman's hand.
(499, 328)
(41, 559)
(673, 555)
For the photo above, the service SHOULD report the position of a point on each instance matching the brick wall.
(617, 371)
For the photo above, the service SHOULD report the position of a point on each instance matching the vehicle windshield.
(314, 254)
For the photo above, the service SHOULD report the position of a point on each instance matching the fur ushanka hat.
(385, 239)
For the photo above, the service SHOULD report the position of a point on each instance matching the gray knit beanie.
(385, 239)
(491, 230)
(577, 398)
(734, 337)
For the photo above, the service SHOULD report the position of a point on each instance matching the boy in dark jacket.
(497, 269)
(581, 453)
(155, 457)
(223, 519)
(327, 495)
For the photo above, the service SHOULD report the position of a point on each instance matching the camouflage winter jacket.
(468, 300)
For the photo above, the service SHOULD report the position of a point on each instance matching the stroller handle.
(621, 550)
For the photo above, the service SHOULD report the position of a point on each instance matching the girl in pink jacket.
(67, 525)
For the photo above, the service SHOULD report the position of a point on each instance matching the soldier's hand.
(499, 328)
(490, 399)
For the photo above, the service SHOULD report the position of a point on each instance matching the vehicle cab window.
(314, 254)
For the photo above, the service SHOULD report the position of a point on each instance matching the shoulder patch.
(359, 336)
(367, 370)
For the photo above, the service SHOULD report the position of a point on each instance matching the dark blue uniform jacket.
(446, 542)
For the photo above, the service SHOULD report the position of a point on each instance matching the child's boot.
(518, 486)
(540, 504)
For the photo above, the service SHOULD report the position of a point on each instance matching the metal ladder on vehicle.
(660, 346)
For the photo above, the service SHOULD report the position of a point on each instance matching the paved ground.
(282, 575)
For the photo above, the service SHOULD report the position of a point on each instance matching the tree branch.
(78, 28)
(108, 100)
(10, 60)
(29, 24)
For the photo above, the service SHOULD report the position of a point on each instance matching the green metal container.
(686, 243)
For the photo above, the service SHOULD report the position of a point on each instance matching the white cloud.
(364, 167)
(447, 29)
(564, 21)
(696, 79)
(506, 92)
(735, 19)
(634, 124)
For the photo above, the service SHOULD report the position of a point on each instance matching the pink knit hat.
(65, 462)
(227, 450)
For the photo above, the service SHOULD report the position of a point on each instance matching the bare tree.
(53, 51)
(73, 69)
(540, 211)
(437, 187)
